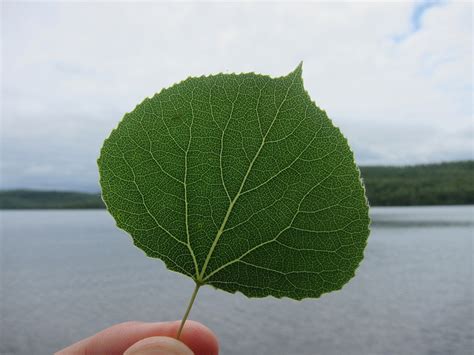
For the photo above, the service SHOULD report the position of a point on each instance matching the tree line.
(432, 184)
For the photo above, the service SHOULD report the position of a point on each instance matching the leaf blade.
(270, 203)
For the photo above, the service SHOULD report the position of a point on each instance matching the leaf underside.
(239, 181)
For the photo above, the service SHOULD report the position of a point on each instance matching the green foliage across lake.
(33, 199)
(433, 184)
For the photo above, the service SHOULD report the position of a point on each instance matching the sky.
(396, 77)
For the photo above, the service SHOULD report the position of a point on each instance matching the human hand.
(139, 338)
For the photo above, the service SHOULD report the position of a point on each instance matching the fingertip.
(158, 346)
(199, 338)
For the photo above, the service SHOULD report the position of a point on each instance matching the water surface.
(67, 274)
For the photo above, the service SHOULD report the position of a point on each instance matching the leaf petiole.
(190, 305)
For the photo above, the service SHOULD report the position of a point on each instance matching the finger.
(158, 346)
(118, 338)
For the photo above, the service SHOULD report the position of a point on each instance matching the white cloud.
(70, 71)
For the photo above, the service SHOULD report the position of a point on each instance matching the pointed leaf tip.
(298, 71)
(300, 66)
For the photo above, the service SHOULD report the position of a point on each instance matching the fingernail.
(158, 346)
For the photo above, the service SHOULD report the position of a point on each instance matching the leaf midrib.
(200, 277)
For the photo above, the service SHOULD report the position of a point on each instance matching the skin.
(139, 338)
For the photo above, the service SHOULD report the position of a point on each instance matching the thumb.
(158, 346)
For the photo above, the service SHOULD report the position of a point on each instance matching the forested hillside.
(33, 199)
(433, 184)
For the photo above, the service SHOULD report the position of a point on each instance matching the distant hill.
(33, 199)
(432, 184)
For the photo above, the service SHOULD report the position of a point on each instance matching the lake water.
(67, 274)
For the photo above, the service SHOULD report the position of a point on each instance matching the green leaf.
(241, 182)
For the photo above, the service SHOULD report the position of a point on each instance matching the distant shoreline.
(419, 185)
